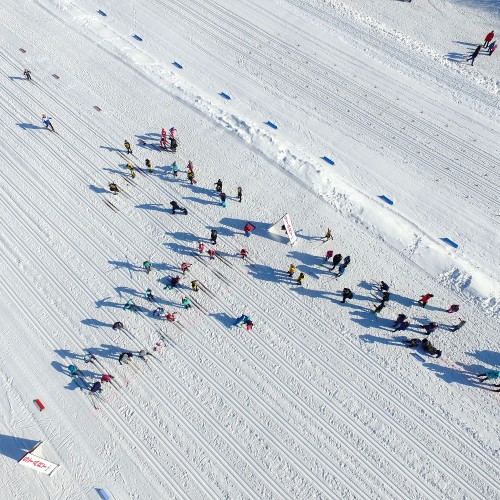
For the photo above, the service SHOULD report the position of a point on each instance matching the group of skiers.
(489, 44)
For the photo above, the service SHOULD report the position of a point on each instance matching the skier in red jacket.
(488, 38)
(424, 299)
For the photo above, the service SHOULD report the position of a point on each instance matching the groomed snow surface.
(321, 399)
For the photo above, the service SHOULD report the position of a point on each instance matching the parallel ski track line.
(202, 413)
(351, 346)
(314, 478)
(425, 155)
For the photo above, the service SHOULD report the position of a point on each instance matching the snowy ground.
(320, 399)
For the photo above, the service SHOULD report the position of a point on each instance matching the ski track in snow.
(292, 409)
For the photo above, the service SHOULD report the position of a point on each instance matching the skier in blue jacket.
(46, 121)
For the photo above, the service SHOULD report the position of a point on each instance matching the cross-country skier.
(291, 270)
(186, 302)
(46, 121)
(125, 357)
(175, 206)
(171, 317)
(127, 146)
(142, 355)
(106, 378)
(453, 308)
(329, 255)
(185, 267)
(175, 169)
(424, 299)
(341, 270)
(173, 144)
(163, 140)
(248, 228)
(218, 186)
(412, 342)
(114, 188)
(148, 164)
(399, 320)
(430, 349)
(239, 194)
(492, 47)
(243, 319)
(489, 375)
(301, 278)
(194, 285)
(213, 236)
(172, 132)
(27, 74)
(74, 371)
(211, 254)
(174, 281)
(385, 296)
(328, 235)
(89, 358)
(346, 294)
(336, 260)
(223, 199)
(190, 176)
(488, 38)
(244, 253)
(383, 287)
(401, 327)
(201, 247)
(347, 260)
(429, 328)
(159, 312)
(473, 56)
(132, 170)
(460, 324)
(96, 387)
(149, 295)
(130, 306)
(148, 266)
(118, 326)
(190, 166)
(249, 324)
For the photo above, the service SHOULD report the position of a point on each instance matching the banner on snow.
(284, 225)
(39, 464)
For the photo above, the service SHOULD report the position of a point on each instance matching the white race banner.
(37, 463)
(289, 229)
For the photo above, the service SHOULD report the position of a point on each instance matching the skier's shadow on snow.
(17, 78)
(29, 126)
(115, 171)
(451, 375)
(97, 189)
(372, 339)
(107, 303)
(485, 356)
(267, 273)
(95, 323)
(469, 44)
(179, 249)
(110, 148)
(307, 237)
(156, 207)
(369, 319)
(456, 56)
(310, 264)
(182, 236)
(195, 188)
(127, 265)
(315, 294)
(224, 319)
(239, 224)
(108, 351)
(15, 447)
(201, 200)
